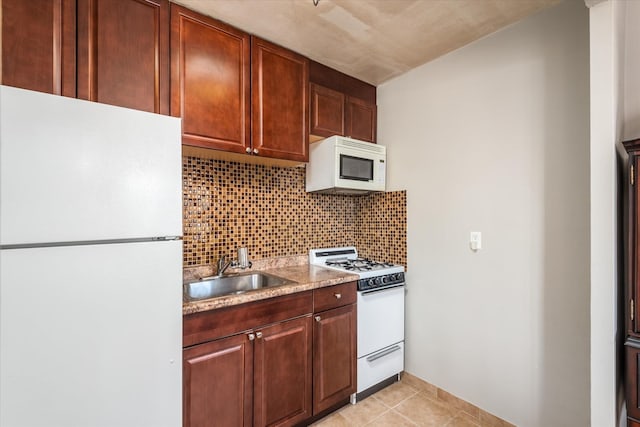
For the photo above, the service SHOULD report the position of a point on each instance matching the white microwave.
(341, 165)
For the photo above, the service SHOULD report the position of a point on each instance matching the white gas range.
(380, 316)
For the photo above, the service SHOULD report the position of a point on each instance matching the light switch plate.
(475, 240)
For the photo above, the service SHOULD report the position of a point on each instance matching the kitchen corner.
(243, 341)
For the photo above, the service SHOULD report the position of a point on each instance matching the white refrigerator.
(90, 264)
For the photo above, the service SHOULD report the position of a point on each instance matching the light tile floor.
(399, 405)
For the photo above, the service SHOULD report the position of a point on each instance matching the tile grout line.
(373, 420)
(405, 417)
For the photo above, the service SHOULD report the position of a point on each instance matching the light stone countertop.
(305, 276)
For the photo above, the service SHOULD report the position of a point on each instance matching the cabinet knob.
(338, 296)
(248, 150)
(318, 318)
(251, 337)
(258, 334)
(255, 151)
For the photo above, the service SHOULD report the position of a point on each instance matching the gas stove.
(373, 274)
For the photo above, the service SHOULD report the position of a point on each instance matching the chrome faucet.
(223, 264)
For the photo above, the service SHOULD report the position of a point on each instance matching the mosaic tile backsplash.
(266, 209)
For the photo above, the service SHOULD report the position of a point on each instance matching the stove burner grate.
(359, 264)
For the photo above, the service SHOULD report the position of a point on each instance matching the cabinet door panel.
(123, 53)
(334, 362)
(634, 289)
(633, 394)
(210, 81)
(327, 111)
(280, 102)
(360, 120)
(217, 383)
(38, 45)
(282, 373)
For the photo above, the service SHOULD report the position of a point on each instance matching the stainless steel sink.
(232, 284)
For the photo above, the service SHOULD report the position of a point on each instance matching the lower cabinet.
(334, 345)
(270, 362)
(260, 378)
(632, 351)
(282, 373)
(258, 373)
(218, 383)
(334, 362)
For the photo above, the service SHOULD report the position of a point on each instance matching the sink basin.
(229, 285)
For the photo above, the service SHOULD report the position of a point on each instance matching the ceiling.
(373, 40)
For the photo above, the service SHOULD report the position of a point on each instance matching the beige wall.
(494, 138)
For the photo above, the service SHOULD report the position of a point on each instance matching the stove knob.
(370, 283)
(377, 280)
(386, 279)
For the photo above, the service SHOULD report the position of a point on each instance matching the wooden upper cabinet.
(210, 81)
(360, 119)
(341, 104)
(334, 113)
(38, 45)
(327, 111)
(123, 53)
(280, 102)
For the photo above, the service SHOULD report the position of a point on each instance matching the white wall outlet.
(475, 240)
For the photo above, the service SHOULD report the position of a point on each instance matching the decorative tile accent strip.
(227, 205)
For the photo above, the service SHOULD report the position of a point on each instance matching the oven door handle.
(383, 353)
(371, 291)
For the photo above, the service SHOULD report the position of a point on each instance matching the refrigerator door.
(91, 335)
(73, 170)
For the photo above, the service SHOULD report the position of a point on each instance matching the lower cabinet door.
(217, 383)
(633, 362)
(282, 373)
(334, 356)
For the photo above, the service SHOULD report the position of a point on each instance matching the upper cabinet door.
(123, 53)
(210, 81)
(38, 45)
(327, 111)
(280, 102)
(360, 119)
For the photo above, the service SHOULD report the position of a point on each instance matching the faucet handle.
(222, 265)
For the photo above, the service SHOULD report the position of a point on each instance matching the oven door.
(380, 319)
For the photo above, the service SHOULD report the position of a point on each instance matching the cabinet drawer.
(206, 326)
(334, 296)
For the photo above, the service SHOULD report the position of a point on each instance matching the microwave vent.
(366, 146)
